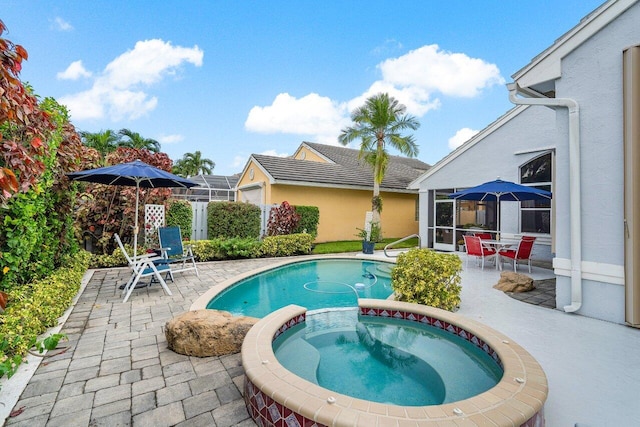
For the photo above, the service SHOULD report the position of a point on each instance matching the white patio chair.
(142, 266)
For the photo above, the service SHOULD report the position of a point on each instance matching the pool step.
(305, 367)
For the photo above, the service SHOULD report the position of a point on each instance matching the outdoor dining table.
(499, 245)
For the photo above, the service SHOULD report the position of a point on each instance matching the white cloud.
(74, 71)
(118, 90)
(239, 161)
(170, 139)
(61, 25)
(414, 79)
(462, 136)
(313, 115)
(274, 153)
(435, 70)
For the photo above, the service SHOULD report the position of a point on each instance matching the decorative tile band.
(266, 412)
(436, 323)
(290, 324)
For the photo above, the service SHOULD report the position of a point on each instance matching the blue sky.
(232, 78)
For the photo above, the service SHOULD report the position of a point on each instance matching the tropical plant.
(379, 124)
(105, 141)
(283, 219)
(21, 149)
(137, 141)
(192, 164)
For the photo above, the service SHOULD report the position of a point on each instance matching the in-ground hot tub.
(276, 397)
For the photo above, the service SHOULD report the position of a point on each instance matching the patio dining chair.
(476, 249)
(483, 236)
(142, 266)
(179, 257)
(521, 253)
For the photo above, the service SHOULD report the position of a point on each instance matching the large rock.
(514, 282)
(205, 333)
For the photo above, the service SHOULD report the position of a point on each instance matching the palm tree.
(193, 164)
(378, 124)
(135, 140)
(105, 141)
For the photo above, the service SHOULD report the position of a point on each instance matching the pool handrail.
(400, 241)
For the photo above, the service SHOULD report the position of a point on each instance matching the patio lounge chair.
(180, 257)
(477, 249)
(521, 253)
(142, 266)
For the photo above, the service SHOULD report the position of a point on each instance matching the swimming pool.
(314, 284)
(384, 359)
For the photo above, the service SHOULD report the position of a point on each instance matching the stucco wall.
(342, 210)
(592, 75)
(258, 177)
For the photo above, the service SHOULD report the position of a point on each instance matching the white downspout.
(574, 185)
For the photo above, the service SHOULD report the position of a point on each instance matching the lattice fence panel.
(153, 219)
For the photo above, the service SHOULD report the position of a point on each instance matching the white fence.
(199, 222)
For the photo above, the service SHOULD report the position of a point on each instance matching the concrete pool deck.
(118, 370)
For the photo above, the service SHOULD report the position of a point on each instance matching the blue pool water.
(312, 284)
(385, 360)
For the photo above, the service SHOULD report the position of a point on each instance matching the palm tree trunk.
(376, 193)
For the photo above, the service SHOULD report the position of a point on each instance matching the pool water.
(312, 284)
(385, 360)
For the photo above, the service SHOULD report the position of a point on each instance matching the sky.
(234, 78)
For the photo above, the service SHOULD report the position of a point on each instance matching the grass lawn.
(356, 246)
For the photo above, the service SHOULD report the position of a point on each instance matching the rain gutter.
(574, 183)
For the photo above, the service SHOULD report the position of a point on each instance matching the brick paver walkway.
(118, 370)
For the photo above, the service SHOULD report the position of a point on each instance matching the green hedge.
(309, 220)
(286, 245)
(36, 306)
(427, 277)
(179, 213)
(233, 219)
(221, 249)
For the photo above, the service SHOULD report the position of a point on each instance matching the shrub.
(233, 219)
(179, 213)
(35, 307)
(309, 219)
(283, 219)
(286, 245)
(220, 249)
(426, 277)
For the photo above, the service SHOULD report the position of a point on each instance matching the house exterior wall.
(258, 177)
(343, 210)
(304, 153)
(592, 75)
(525, 136)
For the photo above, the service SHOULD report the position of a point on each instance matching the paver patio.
(118, 370)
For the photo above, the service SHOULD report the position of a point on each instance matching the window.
(535, 216)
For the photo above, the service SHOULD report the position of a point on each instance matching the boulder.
(205, 333)
(514, 282)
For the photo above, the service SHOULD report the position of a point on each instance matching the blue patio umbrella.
(500, 190)
(133, 174)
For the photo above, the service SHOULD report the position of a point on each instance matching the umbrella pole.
(498, 218)
(135, 228)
